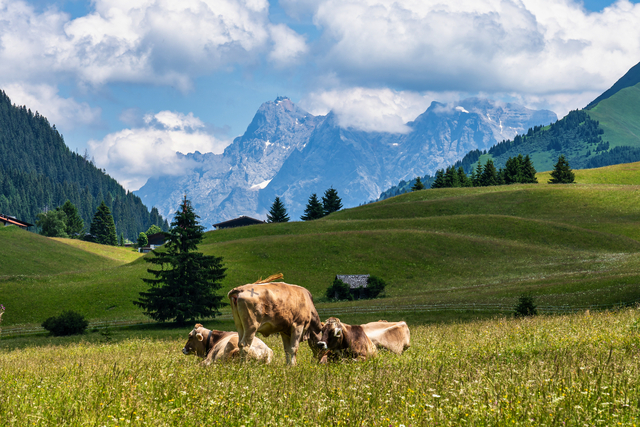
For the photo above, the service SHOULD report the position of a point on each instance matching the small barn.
(12, 220)
(155, 240)
(237, 222)
(357, 284)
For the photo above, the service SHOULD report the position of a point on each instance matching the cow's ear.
(200, 337)
(338, 332)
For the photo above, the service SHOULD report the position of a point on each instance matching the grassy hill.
(618, 117)
(569, 245)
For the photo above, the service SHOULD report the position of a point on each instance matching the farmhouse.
(155, 240)
(357, 283)
(237, 222)
(12, 220)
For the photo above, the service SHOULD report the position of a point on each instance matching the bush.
(68, 323)
(339, 291)
(375, 286)
(525, 307)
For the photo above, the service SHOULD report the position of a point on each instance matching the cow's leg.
(247, 327)
(286, 343)
(292, 342)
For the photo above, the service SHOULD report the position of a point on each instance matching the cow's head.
(332, 335)
(195, 344)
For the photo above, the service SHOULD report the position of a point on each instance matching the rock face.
(290, 153)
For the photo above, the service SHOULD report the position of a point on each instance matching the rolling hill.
(467, 248)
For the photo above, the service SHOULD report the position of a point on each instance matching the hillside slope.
(39, 172)
(569, 245)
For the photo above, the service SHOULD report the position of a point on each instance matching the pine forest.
(38, 172)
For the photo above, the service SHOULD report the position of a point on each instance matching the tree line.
(39, 173)
(518, 170)
(314, 209)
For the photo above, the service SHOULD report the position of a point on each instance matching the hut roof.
(354, 281)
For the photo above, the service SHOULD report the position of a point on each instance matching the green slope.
(29, 254)
(631, 78)
(573, 245)
(619, 117)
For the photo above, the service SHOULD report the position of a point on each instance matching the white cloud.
(131, 156)
(289, 46)
(63, 112)
(532, 46)
(377, 110)
(162, 42)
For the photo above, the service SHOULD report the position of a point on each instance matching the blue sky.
(134, 81)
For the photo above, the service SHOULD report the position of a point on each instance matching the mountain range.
(290, 153)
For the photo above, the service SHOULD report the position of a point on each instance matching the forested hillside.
(38, 172)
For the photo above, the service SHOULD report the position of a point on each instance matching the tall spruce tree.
(331, 202)
(313, 210)
(74, 223)
(103, 229)
(562, 173)
(278, 212)
(184, 286)
(489, 175)
(439, 182)
(418, 185)
(528, 171)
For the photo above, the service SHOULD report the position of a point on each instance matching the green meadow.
(455, 261)
(573, 370)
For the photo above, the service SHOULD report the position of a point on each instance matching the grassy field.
(458, 249)
(574, 370)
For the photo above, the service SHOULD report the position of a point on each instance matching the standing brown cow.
(269, 307)
(340, 341)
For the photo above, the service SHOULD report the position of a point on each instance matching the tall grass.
(580, 369)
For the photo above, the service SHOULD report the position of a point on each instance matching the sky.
(132, 82)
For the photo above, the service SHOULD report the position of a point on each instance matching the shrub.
(375, 286)
(525, 307)
(339, 291)
(68, 323)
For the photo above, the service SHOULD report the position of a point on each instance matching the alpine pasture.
(456, 261)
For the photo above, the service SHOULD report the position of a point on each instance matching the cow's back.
(359, 342)
(394, 336)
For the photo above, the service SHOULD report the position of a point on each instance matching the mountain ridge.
(290, 153)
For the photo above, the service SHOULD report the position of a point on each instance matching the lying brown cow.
(340, 341)
(216, 346)
(394, 336)
(269, 307)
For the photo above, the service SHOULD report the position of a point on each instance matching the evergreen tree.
(103, 229)
(463, 178)
(451, 179)
(477, 181)
(121, 243)
(418, 185)
(513, 170)
(331, 202)
(528, 171)
(52, 223)
(562, 173)
(74, 223)
(489, 175)
(313, 210)
(439, 182)
(143, 240)
(184, 286)
(278, 212)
